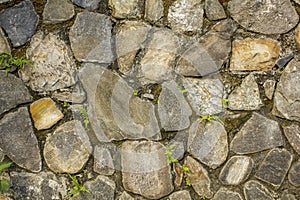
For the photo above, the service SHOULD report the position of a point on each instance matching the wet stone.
(103, 161)
(184, 194)
(68, 148)
(12, 92)
(236, 170)
(89, 4)
(255, 190)
(224, 194)
(90, 38)
(125, 9)
(19, 22)
(54, 66)
(267, 17)
(246, 96)
(214, 10)
(292, 133)
(294, 174)
(4, 45)
(208, 142)
(145, 170)
(56, 14)
(258, 133)
(269, 86)
(125, 196)
(154, 10)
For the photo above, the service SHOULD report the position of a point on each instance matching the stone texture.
(12, 92)
(54, 66)
(204, 95)
(214, 10)
(267, 17)
(269, 86)
(4, 45)
(145, 170)
(275, 167)
(18, 141)
(3, 1)
(129, 39)
(125, 9)
(282, 62)
(75, 94)
(294, 174)
(89, 4)
(254, 54)
(236, 170)
(179, 141)
(103, 161)
(154, 10)
(255, 190)
(45, 113)
(177, 169)
(224, 194)
(198, 177)
(19, 22)
(292, 133)
(258, 133)
(287, 96)
(297, 36)
(125, 196)
(173, 110)
(56, 14)
(186, 16)
(90, 38)
(180, 195)
(246, 96)
(68, 148)
(208, 142)
(287, 196)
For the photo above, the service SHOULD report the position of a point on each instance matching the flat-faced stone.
(204, 95)
(287, 96)
(125, 9)
(275, 167)
(267, 17)
(19, 22)
(154, 10)
(255, 190)
(12, 92)
(56, 14)
(297, 36)
(254, 54)
(103, 161)
(214, 10)
(177, 168)
(208, 142)
(186, 16)
(258, 133)
(236, 170)
(53, 64)
(68, 148)
(90, 38)
(294, 174)
(145, 170)
(4, 45)
(89, 4)
(292, 133)
(269, 87)
(125, 196)
(184, 194)
(246, 96)
(224, 194)
(18, 141)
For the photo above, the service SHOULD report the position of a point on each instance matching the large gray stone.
(145, 170)
(258, 133)
(89, 4)
(214, 10)
(294, 174)
(292, 133)
(253, 190)
(90, 38)
(267, 17)
(287, 96)
(154, 10)
(19, 22)
(4, 45)
(125, 9)
(18, 141)
(12, 92)
(53, 64)
(225, 194)
(56, 14)
(180, 195)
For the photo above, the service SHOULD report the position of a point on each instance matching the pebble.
(125, 9)
(56, 14)
(214, 10)
(224, 194)
(184, 194)
(89, 4)
(292, 133)
(294, 174)
(125, 196)
(154, 10)
(255, 190)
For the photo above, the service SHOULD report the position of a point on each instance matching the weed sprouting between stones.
(7, 61)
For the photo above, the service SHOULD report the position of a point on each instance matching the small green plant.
(7, 61)
(169, 154)
(4, 183)
(203, 196)
(77, 187)
(186, 170)
(211, 117)
(136, 92)
(182, 90)
(225, 103)
(86, 117)
(66, 104)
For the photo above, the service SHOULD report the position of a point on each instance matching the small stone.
(90, 4)
(103, 161)
(177, 168)
(56, 14)
(145, 170)
(246, 96)
(282, 62)
(287, 196)
(269, 86)
(125, 9)
(180, 144)
(19, 22)
(292, 133)
(45, 113)
(90, 38)
(214, 10)
(255, 190)
(186, 16)
(69, 144)
(154, 10)
(236, 170)
(4, 45)
(258, 133)
(125, 196)
(254, 54)
(208, 142)
(224, 194)
(180, 195)
(75, 95)
(13, 92)
(294, 174)
(267, 17)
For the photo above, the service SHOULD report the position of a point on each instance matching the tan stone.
(297, 36)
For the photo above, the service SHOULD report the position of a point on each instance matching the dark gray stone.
(258, 133)
(253, 190)
(12, 92)
(90, 4)
(292, 133)
(214, 10)
(294, 174)
(225, 194)
(56, 14)
(18, 141)
(19, 22)
(103, 161)
(180, 195)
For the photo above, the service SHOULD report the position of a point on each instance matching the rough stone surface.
(154, 10)
(103, 161)
(125, 9)
(186, 16)
(258, 133)
(224, 194)
(214, 10)
(287, 96)
(18, 141)
(255, 190)
(267, 17)
(90, 4)
(19, 22)
(208, 142)
(292, 133)
(3, 1)
(125, 196)
(56, 14)
(145, 170)
(246, 96)
(294, 174)
(204, 95)
(269, 87)
(177, 169)
(275, 167)
(180, 195)
(45, 113)
(4, 45)
(75, 94)
(68, 149)
(287, 196)
(54, 66)
(12, 92)
(90, 38)
(254, 54)
(236, 170)
(297, 36)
